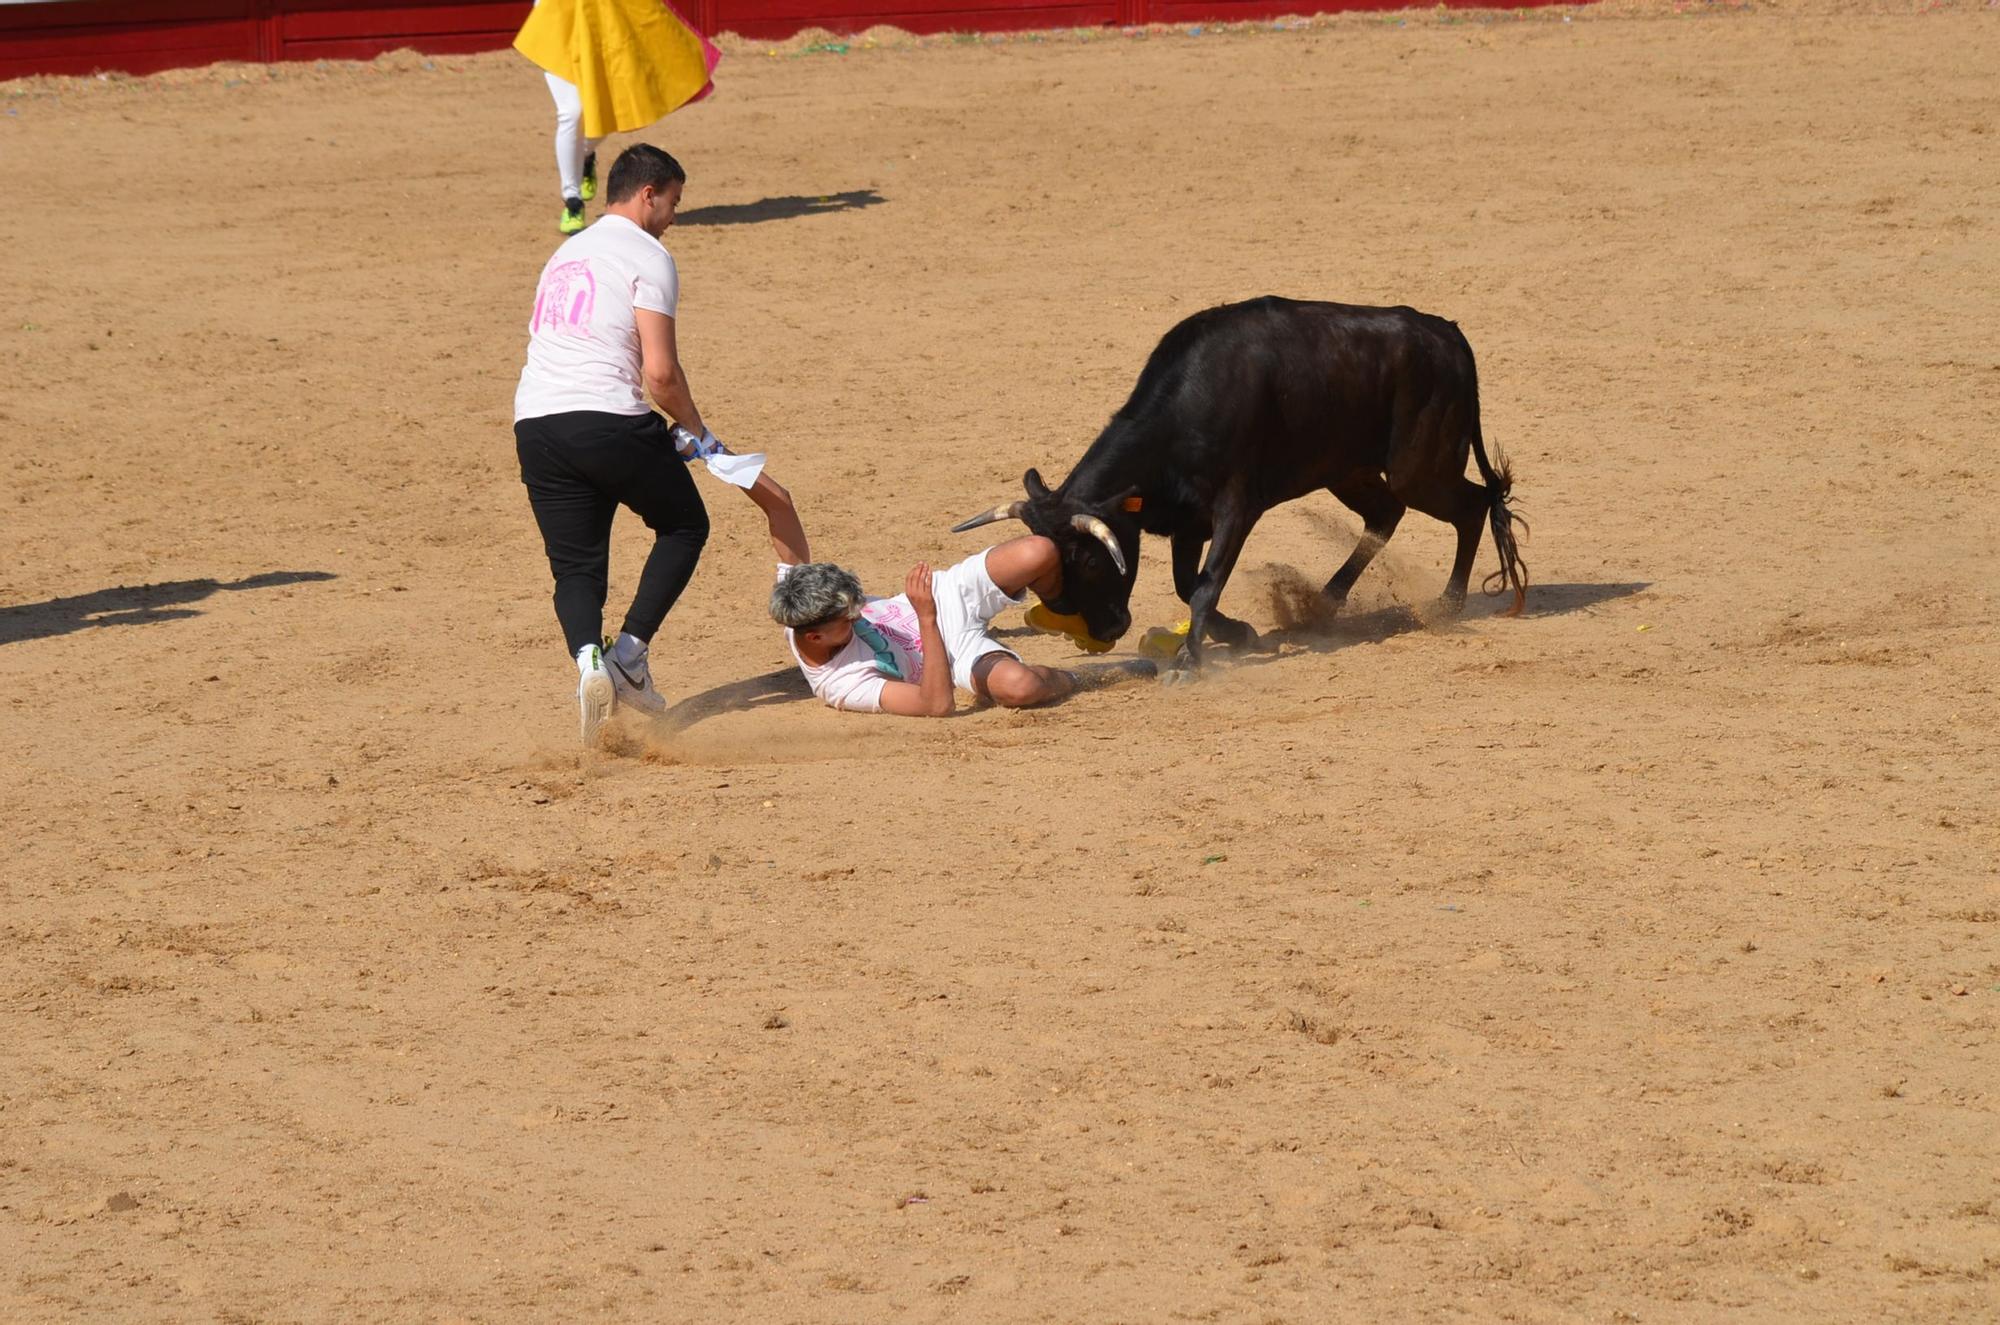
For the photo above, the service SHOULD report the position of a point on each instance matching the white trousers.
(570, 142)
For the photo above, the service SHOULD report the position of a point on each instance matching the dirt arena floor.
(1635, 960)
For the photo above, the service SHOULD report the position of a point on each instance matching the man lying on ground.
(903, 655)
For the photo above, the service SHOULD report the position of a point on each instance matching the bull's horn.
(1101, 531)
(1010, 511)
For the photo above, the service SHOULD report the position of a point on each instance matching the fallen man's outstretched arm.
(788, 534)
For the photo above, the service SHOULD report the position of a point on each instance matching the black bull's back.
(1281, 396)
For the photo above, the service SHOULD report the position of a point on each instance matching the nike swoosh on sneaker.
(636, 685)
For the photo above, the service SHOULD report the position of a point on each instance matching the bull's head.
(1099, 543)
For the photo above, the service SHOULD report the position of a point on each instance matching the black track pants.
(579, 468)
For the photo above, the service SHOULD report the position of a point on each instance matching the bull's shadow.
(1556, 599)
(1373, 625)
(1326, 633)
(131, 605)
(787, 208)
(784, 686)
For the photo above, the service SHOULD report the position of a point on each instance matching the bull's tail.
(1513, 572)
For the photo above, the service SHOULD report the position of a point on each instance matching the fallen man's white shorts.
(967, 600)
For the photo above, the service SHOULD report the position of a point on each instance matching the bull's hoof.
(1446, 606)
(1184, 670)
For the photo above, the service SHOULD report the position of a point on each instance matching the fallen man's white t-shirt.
(852, 679)
(583, 340)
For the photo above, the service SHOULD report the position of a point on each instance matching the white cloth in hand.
(738, 470)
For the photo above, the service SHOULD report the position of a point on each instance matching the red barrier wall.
(140, 36)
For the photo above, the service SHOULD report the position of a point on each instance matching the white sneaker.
(634, 684)
(594, 692)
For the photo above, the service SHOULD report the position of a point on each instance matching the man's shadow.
(131, 605)
(784, 686)
(786, 208)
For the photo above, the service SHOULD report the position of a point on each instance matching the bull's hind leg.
(1463, 505)
(1368, 496)
(1187, 567)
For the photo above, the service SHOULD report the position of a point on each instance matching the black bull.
(1248, 405)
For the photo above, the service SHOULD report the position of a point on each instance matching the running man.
(903, 655)
(601, 343)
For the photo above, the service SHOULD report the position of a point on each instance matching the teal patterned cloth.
(885, 657)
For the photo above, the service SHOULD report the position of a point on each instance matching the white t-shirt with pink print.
(852, 678)
(583, 340)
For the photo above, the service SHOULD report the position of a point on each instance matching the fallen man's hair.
(814, 594)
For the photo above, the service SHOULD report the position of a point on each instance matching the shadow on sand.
(784, 686)
(787, 686)
(787, 208)
(131, 605)
(1378, 624)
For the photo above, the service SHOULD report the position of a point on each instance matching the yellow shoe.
(1159, 642)
(572, 217)
(589, 176)
(1040, 618)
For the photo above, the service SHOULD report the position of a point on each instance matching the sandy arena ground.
(1633, 960)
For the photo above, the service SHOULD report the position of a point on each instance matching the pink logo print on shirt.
(566, 299)
(897, 620)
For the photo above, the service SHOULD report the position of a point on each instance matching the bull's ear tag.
(1133, 503)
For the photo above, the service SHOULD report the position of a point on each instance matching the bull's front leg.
(1232, 527)
(1187, 562)
(1187, 576)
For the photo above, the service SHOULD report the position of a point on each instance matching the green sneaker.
(572, 217)
(589, 176)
